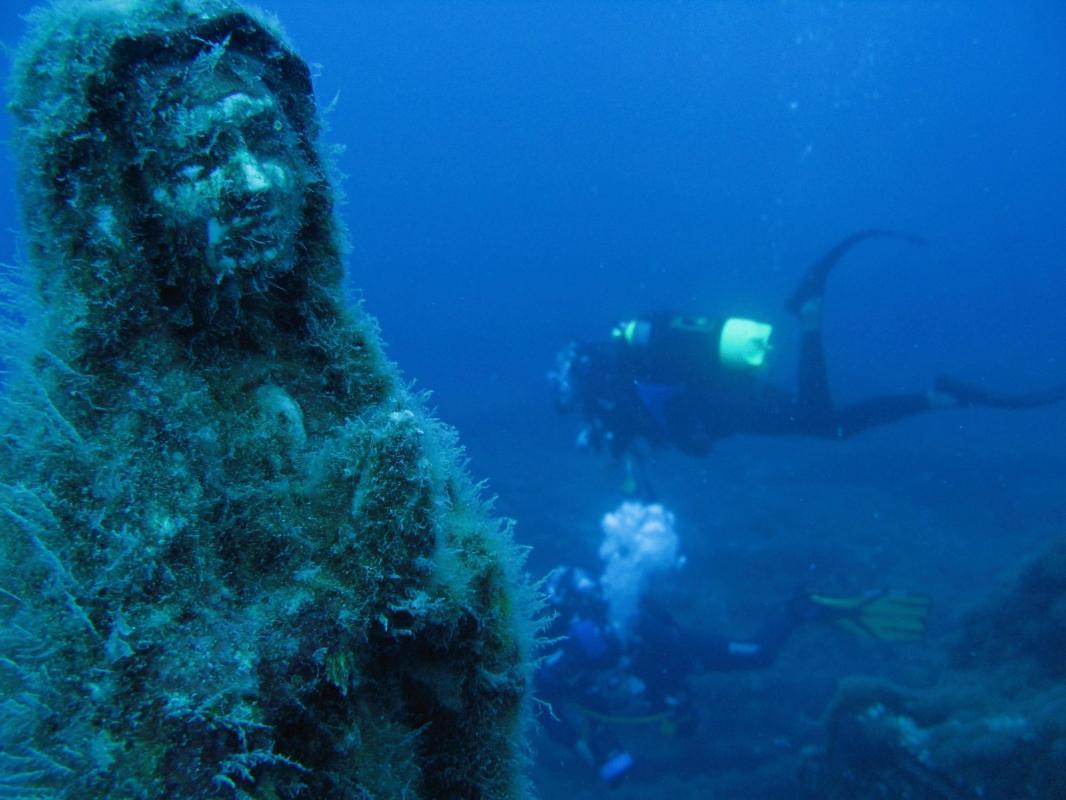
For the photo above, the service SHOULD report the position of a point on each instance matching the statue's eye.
(266, 130)
(213, 147)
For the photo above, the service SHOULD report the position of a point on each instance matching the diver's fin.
(885, 616)
(966, 394)
(813, 283)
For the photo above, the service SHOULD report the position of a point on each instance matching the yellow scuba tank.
(744, 343)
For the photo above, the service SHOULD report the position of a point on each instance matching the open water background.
(519, 174)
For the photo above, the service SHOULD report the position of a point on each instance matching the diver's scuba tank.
(737, 344)
(744, 343)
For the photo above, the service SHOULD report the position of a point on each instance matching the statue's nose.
(250, 179)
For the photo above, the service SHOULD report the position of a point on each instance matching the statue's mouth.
(248, 245)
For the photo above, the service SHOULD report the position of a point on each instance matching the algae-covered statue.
(237, 558)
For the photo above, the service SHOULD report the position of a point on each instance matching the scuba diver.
(597, 679)
(684, 381)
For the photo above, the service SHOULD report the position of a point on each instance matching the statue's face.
(227, 176)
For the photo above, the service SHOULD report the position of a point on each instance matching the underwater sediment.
(992, 726)
(237, 557)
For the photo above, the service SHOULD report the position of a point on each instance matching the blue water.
(520, 174)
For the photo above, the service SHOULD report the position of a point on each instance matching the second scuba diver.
(684, 381)
(598, 678)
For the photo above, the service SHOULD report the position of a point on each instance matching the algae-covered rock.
(237, 557)
(992, 726)
(1027, 627)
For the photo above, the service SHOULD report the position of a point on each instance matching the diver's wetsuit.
(661, 379)
(810, 411)
(595, 678)
(674, 391)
